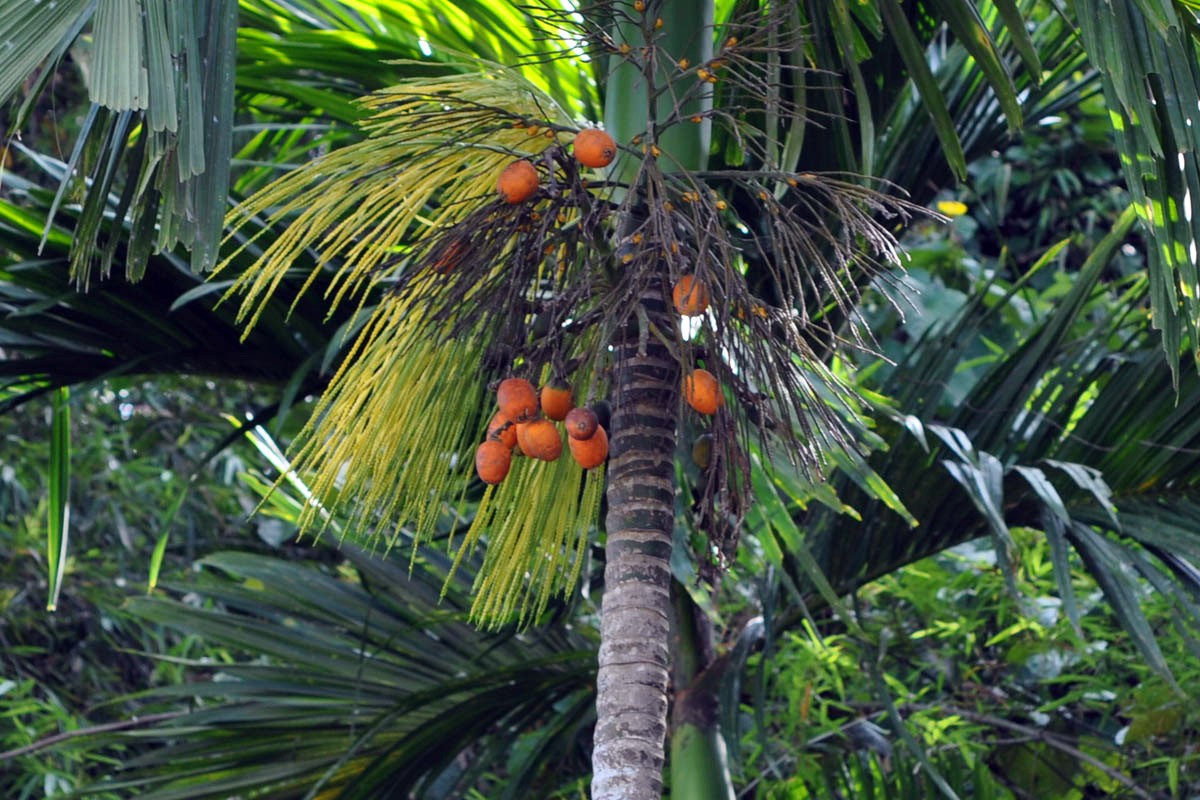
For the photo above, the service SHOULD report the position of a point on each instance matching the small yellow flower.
(952, 208)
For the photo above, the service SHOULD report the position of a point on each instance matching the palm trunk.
(631, 686)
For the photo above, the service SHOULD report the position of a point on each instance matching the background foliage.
(1016, 673)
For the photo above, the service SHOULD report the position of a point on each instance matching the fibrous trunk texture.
(631, 686)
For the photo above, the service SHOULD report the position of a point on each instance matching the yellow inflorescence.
(385, 448)
(361, 203)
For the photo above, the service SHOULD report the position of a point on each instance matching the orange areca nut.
(702, 391)
(591, 452)
(540, 439)
(518, 182)
(503, 430)
(492, 461)
(594, 148)
(517, 399)
(557, 401)
(582, 423)
(690, 296)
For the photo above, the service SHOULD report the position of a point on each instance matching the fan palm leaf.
(359, 687)
(161, 128)
(53, 336)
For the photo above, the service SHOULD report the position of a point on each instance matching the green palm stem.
(699, 761)
(631, 682)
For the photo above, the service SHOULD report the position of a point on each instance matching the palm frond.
(1147, 55)
(359, 686)
(161, 131)
(1068, 432)
(53, 336)
(35, 33)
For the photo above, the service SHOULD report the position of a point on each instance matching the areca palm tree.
(784, 250)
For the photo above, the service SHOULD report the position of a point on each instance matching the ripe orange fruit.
(590, 452)
(502, 429)
(518, 182)
(690, 296)
(594, 148)
(702, 391)
(517, 399)
(540, 439)
(557, 401)
(492, 460)
(582, 423)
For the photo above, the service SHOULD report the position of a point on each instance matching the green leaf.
(1015, 25)
(32, 32)
(927, 86)
(1060, 559)
(1090, 480)
(1111, 570)
(59, 487)
(119, 77)
(964, 20)
(1045, 490)
(160, 544)
(870, 482)
(770, 510)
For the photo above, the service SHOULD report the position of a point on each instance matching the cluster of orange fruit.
(517, 426)
(700, 388)
(519, 180)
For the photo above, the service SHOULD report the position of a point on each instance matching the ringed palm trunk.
(631, 685)
(634, 663)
